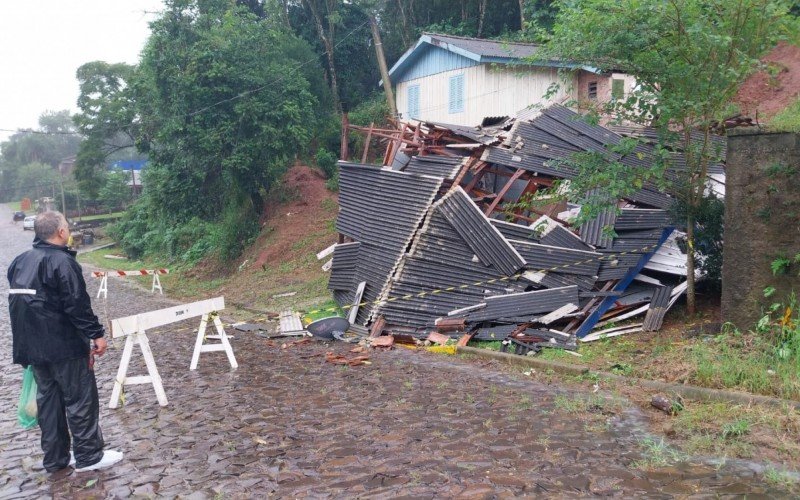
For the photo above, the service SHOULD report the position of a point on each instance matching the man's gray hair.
(47, 224)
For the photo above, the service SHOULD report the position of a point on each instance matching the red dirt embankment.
(305, 214)
(768, 92)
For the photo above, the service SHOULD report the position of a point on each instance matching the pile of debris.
(437, 241)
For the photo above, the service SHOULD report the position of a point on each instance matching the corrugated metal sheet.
(381, 209)
(345, 260)
(475, 229)
(525, 306)
(477, 134)
(438, 166)
(555, 234)
(558, 280)
(596, 231)
(639, 218)
(658, 309)
(487, 48)
(516, 231)
(546, 258)
(616, 266)
(438, 260)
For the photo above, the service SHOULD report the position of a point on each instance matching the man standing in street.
(53, 327)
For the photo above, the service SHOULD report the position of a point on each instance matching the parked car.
(18, 216)
(28, 222)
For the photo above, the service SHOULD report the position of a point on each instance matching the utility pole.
(63, 202)
(387, 84)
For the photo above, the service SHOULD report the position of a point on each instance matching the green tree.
(35, 180)
(116, 192)
(689, 58)
(54, 140)
(106, 118)
(222, 109)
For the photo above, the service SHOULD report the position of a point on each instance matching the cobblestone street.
(288, 424)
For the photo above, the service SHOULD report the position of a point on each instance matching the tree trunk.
(404, 22)
(481, 16)
(285, 13)
(387, 83)
(521, 14)
(691, 304)
(691, 206)
(327, 41)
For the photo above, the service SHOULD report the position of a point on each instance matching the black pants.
(68, 402)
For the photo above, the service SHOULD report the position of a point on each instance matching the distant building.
(462, 80)
(134, 170)
(67, 166)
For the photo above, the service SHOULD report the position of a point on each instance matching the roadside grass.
(787, 120)
(738, 361)
(736, 430)
(99, 260)
(492, 345)
(781, 479)
(656, 453)
(114, 215)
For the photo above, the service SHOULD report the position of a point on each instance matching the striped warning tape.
(140, 272)
(485, 282)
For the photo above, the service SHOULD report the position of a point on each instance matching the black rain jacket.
(57, 322)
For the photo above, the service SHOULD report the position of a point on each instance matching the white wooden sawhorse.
(134, 329)
(103, 290)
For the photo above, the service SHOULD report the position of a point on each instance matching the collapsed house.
(437, 241)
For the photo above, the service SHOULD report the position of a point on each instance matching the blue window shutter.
(413, 101)
(456, 101)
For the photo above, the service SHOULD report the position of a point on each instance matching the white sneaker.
(71, 459)
(110, 457)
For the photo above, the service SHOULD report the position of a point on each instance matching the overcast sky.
(43, 42)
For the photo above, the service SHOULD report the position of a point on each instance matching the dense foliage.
(689, 58)
(224, 101)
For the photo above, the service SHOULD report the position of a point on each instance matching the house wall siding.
(435, 60)
(489, 90)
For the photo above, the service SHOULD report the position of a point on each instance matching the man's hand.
(100, 346)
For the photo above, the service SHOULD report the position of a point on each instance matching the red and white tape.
(140, 272)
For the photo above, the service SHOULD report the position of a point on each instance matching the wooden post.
(387, 82)
(366, 143)
(503, 191)
(344, 152)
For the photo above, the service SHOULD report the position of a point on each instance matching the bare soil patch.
(768, 92)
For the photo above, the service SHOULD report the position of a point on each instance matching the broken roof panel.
(525, 305)
(437, 166)
(381, 209)
(491, 247)
(345, 259)
(516, 231)
(631, 219)
(563, 260)
(555, 234)
(596, 231)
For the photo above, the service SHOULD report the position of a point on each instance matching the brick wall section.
(762, 222)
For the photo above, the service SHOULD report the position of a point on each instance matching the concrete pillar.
(762, 222)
